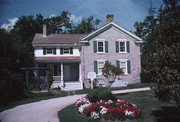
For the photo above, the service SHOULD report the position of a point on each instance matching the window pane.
(123, 66)
(100, 43)
(100, 47)
(122, 46)
(66, 50)
(100, 66)
(49, 51)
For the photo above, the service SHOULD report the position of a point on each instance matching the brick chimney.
(44, 30)
(109, 17)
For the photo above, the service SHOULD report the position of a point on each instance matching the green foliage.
(111, 72)
(100, 94)
(160, 52)
(11, 85)
(86, 26)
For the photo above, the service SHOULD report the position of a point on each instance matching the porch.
(65, 75)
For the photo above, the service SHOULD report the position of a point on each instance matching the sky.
(126, 12)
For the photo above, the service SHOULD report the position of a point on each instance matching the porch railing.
(57, 78)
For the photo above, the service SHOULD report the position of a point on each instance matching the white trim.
(123, 40)
(114, 24)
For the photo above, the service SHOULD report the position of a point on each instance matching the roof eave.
(117, 26)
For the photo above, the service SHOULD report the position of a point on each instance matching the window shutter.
(106, 46)
(54, 51)
(129, 66)
(128, 46)
(95, 67)
(44, 51)
(95, 46)
(71, 50)
(61, 51)
(117, 64)
(106, 62)
(117, 46)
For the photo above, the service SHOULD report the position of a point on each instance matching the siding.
(111, 35)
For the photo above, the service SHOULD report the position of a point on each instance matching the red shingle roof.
(58, 38)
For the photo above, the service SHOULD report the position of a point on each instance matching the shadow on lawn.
(167, 114)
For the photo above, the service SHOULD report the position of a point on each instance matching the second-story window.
(49, 51)
(100, 46)
(66, 51)
(122, 46)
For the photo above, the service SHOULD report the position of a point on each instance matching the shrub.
(100, 94)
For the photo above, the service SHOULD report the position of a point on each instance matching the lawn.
(34, 97)
(152, 109)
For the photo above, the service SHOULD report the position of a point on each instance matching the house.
(72, 56)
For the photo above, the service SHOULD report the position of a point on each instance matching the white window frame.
(124, 60)
(122, 40)
(47, 51)
(98, 72)
(66, 53)
(101, 40)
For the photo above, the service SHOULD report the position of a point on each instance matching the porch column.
(36, 71)
(62, 81)
(80, 77)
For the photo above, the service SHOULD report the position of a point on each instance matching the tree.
(11, 82)
(161, 52)
(86, 26)
(59, 24)
(110, 72)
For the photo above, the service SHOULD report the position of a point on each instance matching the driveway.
(42, 111)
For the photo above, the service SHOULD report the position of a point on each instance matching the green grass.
(151, 109)
(34, 97)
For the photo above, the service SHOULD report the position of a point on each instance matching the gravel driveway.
(42, 111)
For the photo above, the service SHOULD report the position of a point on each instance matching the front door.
(71, 72)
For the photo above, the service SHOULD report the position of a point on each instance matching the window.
(100, 46)
(123, 66)
(49, 51)
(122, 46)
(66, 51)
(100, 66)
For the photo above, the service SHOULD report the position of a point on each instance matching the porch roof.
(58, 59)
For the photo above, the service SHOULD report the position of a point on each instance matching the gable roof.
(57, 38)
(107, 26)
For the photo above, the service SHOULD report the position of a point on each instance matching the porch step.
(70, 86)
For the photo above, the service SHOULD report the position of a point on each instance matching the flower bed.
(108, 109)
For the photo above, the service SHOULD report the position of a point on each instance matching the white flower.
(127, 113)
(103, 110)
(81, 108)
(94, 115)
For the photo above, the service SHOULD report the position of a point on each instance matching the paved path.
(131, 90)
(42, 111)
(46, 110)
